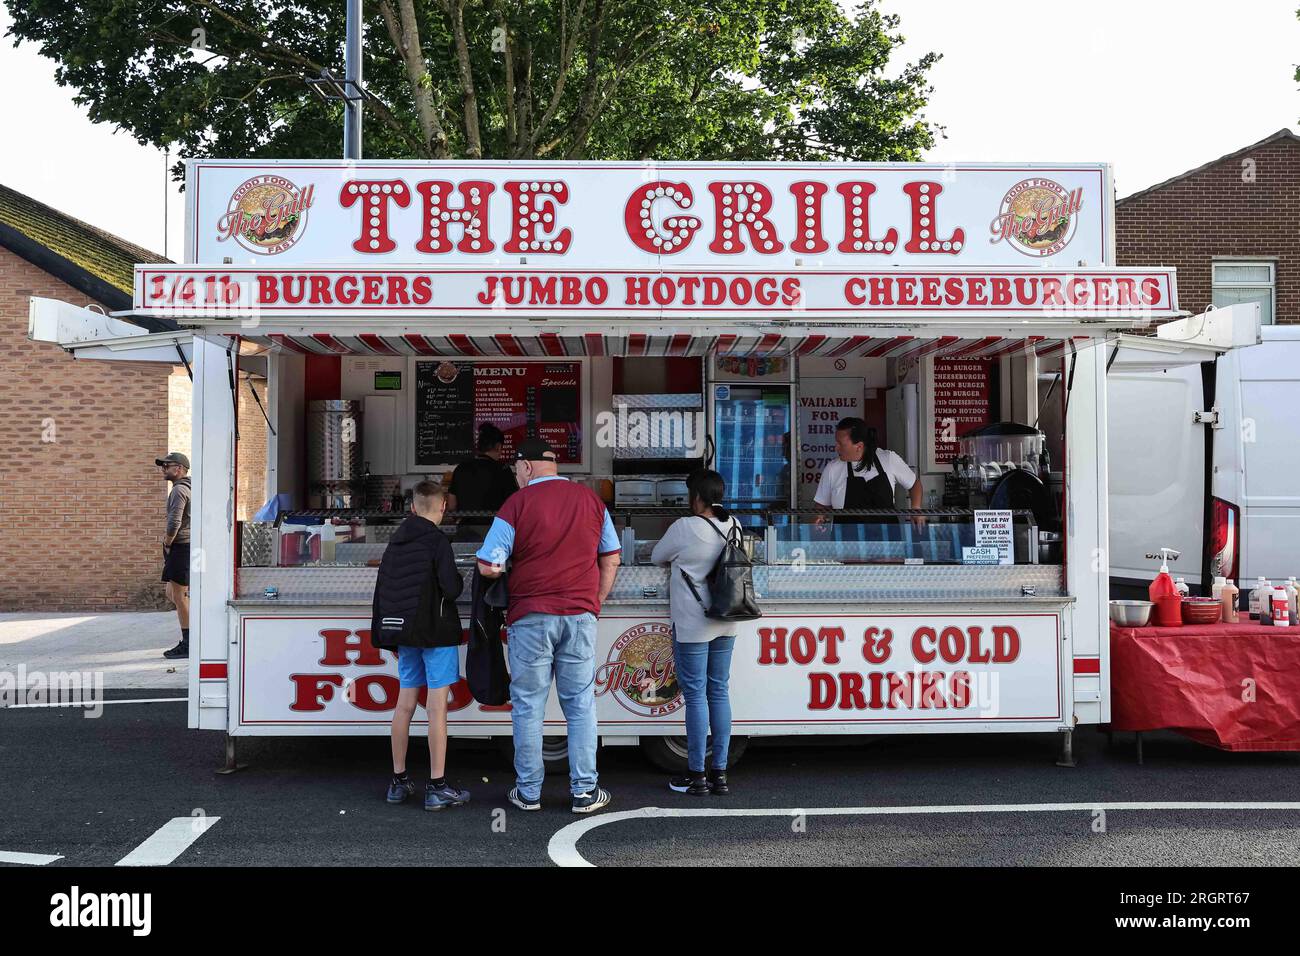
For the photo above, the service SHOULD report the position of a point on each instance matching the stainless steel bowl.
(1131, 613)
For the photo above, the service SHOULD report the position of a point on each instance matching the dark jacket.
(416, 591)
(485, 662)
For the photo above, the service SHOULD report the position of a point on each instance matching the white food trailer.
(417, 299)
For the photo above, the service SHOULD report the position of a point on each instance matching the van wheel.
(555, 753)
(669, 753)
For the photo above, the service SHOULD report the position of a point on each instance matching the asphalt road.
(93, 791)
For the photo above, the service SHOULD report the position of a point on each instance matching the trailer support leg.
(231, 765)
(1067, 749)
(1139, 748)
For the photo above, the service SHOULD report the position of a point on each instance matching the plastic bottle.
(1281, 615)
(1229, 598)
(1164, 594)
(1181, 585)
(1259, 595)
(1292, 600)
(1216, 592)
(328, 542)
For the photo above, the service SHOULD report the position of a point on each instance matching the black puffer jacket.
(416, 591)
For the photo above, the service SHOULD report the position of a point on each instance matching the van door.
(1170, 398)
(1265, 479)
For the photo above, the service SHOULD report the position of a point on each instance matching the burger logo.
(639, 672)
(266, 215)
(447, 372)
(1038, 217)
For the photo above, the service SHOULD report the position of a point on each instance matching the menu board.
(523, 399)
(962, 402)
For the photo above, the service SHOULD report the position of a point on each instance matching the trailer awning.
(742, 343)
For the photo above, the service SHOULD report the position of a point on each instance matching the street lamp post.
(352, 81)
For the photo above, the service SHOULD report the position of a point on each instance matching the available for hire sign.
(298, 238)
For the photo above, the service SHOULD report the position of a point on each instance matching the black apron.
(860, 493)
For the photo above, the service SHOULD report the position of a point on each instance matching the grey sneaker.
(591, 801)
(522, 802)
(441, 798)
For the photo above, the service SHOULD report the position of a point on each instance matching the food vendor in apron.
(862, 476)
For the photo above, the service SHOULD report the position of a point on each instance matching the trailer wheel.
(669, 753)
(555, 753)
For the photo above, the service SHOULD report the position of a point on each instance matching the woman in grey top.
(702, 646)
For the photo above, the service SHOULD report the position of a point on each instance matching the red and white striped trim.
(641, 344)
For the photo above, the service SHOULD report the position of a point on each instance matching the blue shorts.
(431, 667)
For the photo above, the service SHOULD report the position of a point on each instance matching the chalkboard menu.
(523, 399)
(444, 412)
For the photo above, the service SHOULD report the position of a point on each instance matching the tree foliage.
(549, 79)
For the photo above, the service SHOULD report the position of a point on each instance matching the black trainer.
(717, 783)
(591, 801)
(695, 784)
(400, 789)
(182, 649)
(522, 802)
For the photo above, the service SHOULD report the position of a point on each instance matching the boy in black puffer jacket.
(414, 613)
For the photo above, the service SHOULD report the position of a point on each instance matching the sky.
(1154, 87)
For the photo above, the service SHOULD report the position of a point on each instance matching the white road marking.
(169, 841)
(31, 859)
(96, 703)
(563, 847)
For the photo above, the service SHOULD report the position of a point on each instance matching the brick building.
(81, 501)
(1229, 227)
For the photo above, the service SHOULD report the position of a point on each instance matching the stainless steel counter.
(810, 583)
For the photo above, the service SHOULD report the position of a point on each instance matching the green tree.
(528, 79)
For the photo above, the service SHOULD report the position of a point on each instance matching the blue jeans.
(563, 646)
(703, 671)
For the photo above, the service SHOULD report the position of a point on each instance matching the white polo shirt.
(835, 477)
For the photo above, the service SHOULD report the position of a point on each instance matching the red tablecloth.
(1231, 686)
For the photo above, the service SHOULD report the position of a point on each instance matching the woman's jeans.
(703, 670)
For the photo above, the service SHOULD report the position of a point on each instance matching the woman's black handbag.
(731, 582)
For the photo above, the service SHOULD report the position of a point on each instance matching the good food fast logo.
(1038, 217)
(266, 215)
(639, 672)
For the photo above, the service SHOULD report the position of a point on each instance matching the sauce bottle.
(1164, 594)
(1216, 592)
(1281, 615)
(1229, 599)
(1259, 598)
(1292, 596)
(1181, 585)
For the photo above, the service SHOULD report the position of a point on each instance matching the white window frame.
(1271, 284)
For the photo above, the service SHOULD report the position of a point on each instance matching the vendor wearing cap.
(862, 475)
(176, 545)
(563, 553)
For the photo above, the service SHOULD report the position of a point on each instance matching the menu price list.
(523, 399)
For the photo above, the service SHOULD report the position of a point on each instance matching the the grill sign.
(634, 214)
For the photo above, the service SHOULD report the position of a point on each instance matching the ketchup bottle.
(1164, 593)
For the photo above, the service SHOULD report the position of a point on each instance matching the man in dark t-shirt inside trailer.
(563, 554)
(481, 483)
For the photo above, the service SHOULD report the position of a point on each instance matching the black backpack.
(731, 582)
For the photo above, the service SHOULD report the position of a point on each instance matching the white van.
(1205, 458)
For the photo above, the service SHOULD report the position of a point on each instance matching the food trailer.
(646, 319)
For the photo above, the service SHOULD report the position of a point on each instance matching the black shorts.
(176, 564)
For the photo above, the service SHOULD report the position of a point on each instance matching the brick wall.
(81, 502)
(180, 394)
(252, 449)
(1220, 212)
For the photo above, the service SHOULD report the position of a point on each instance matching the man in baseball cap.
(563, 553)
(176, 545)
